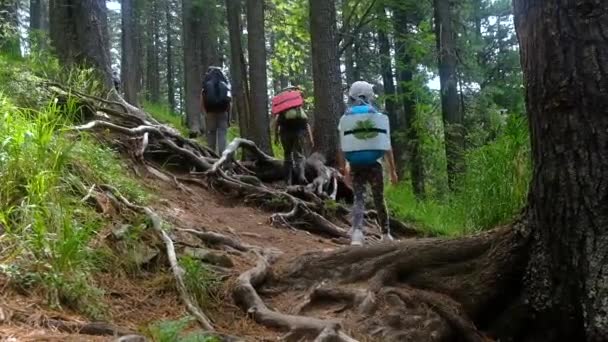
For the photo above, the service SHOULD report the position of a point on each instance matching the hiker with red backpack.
(290, 126)
(364, 140)
(215, 102)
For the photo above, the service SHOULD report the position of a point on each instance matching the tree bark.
(79, 34)
(209, 35)
(170, 67)
(260, 122)
(192, 46)
(564, 53)
(452, 116)
(152, 52)
(130, 66)
(329, 103)
(39, 15)
(233, 9)
(405, 73)
(388, 82)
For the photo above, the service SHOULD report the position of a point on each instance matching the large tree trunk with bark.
(9, 27)
(130, 65)
(450, 107)
(39, 15)
(260, 121)
(405, 76)
(192, 46)
(564, 48)
(328, 93)
(238, 69)
(79, 34)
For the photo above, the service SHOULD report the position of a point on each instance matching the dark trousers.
(293, 148)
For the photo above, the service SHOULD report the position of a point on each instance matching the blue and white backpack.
(364, 134)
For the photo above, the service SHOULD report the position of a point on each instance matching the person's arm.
(390, 160)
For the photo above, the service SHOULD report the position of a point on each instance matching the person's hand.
(394, 178)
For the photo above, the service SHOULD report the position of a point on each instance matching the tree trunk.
(452, 117)
(152, 52)
(405, 72)
(39, 15)
(389, 87)
(329, 103)
(130, 67)
(170, 69)
(79, 34)
(9, 27)
(233, 9)
(209, 34)
(260, 123)
(564, 51)
(192, 46)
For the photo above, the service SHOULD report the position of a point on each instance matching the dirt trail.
(135, 303)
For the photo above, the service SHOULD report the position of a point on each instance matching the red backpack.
(287, 100)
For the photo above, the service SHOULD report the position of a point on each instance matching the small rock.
(120, 232)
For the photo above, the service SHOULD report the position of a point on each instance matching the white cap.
(361, 89)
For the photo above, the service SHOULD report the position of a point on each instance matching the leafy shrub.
(491, 191)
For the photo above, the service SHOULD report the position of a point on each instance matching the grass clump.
(490, 192)
(47, 232)
(200, 281)
(171, 331)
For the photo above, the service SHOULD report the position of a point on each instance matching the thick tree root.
(298, 327)
(416, 290)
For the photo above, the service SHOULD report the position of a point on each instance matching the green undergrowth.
(171, 331)
(164, 114)
(490, 192)
(48, 235)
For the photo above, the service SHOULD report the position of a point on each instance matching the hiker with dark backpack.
(364, 140)
(290, 126)
(215, 102)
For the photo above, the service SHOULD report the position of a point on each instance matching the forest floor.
(136, 302)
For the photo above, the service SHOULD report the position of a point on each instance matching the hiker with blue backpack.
(364, 140)
(215, 103)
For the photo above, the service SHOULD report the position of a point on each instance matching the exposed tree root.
(178, 272)
(298, 327)
(213, 238)
(416, 290)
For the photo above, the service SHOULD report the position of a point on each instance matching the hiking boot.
(356, 238)
(387, 237)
